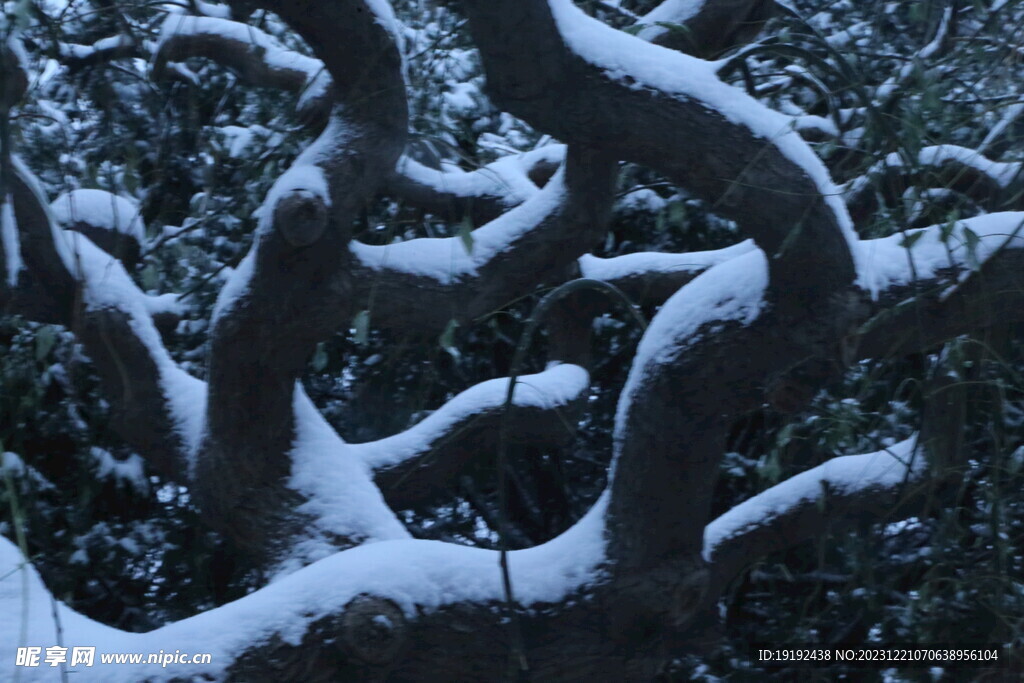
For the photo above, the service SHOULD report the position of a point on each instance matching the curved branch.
(259, 59)
(423, 284)
(481, 195)
(992, 184)
(809, 504)
(342, 618)
(294, 287)
(423, 461)
(155, 406)
(253, 55)
(590, 85)
(113, 223)
(705, 28)
(77, 57)
(650, 278)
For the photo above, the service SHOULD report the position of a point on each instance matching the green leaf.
(319, 361)
(677, 213)
(361, 327)
(1016, 462)
(971, 240)
(911, 239)
(447, 339)
(466, 234)
(150, 277)
(675, 28)
(45, 339)
(947, 229)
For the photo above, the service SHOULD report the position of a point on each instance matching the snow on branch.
(704, 28)
(293, 288)
(99, 209)
(717, 345)
(557, 387)
(731, 291)
(592, 85)
(425, 283)
(76, 56)
(963, 170)
(481, 195)
(156, 406)
(805, 505)
(255, 56)
(652, 277)
(421, 462)
(421, 578)
(956, 250)
(113, 223)
(10, 243)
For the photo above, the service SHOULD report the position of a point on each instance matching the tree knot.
(373, 629)
(301, 217)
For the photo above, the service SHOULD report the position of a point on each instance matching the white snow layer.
(731, 291)
(342, 497)
(415, 574)
(845, 475)
(556, 386)
(446, 259)
(107, 285)
(305, 176)
(623, 56)
(1002, 172)
(641, 263)
(505, 177)
(9, 238)
(100, 209)
(668, 12)
(969, 243)
(274, 54)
